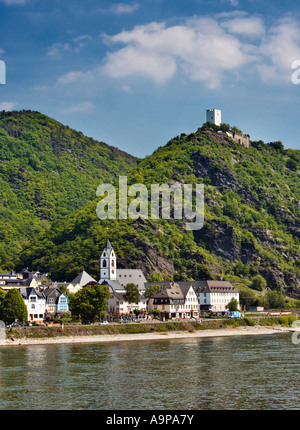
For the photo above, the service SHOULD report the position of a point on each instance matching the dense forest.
(49, 174)
(47, 171)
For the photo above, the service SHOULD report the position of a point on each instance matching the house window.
(33, 299)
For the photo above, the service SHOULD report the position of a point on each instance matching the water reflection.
(218, 373)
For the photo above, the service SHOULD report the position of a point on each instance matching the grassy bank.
(111, 329)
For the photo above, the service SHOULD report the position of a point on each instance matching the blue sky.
(134, 74)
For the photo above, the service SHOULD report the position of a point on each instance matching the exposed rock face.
(220, 239)
(206, 167)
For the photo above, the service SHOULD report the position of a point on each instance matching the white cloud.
(80, 107)
(75, 77)
(249, 26)
(58, 48)
(7, 106)
(121, 8)
(200, 48)
(280, 48)
(205, 49)
(75, 45)
(134, 61)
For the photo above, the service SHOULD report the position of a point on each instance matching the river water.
(240, 372)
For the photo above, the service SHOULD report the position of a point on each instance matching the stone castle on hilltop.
(215, 116)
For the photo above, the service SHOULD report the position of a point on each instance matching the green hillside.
(251, 218)
(47, 171)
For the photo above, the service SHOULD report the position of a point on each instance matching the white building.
(215, 295)
(117, 303)
(35, 302)
(176, 299)
(214, 116)
(117, 279)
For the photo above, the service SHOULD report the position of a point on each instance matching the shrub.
(249, 321)
(287, 320)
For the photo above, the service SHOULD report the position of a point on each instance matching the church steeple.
(108, 263)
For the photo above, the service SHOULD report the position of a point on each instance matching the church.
(176, 299)
(110, 275)
(116, 278)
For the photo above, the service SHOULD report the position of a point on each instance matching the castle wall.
(243, 139)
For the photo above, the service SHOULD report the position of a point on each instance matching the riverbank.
(102, 338)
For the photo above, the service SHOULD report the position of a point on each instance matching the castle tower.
(214, 116)
(108, 263)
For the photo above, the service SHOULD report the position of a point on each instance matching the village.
(45, 299)
(172, 300)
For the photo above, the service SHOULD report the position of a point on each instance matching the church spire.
(108, 263)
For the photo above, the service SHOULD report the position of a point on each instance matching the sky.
(135, 74)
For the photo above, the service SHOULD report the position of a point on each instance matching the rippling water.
(243, 372)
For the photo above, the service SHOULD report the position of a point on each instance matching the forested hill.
(251, 218)
(47, 171)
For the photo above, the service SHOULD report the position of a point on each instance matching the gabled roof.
(82, 279)
(124, 277)
(53, 293)
(198, 286)
(131, 276)
(216, 286)
(26, 292)
(170, 290)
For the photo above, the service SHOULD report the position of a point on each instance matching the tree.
(132, 294)
(232, 306)
(209, 124)
(235, 129)
(241, 269)
(155, 312)
(13, 307)
(292, 164)
(151, 291)
(202, 271)
(156, 277)
(225, 127)
(275, 299)
(258, 283)
(90, 303)
(247, 298)
(2, 295)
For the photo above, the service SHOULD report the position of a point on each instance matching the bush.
(249, 321)
(258, 283)
(287, 320)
